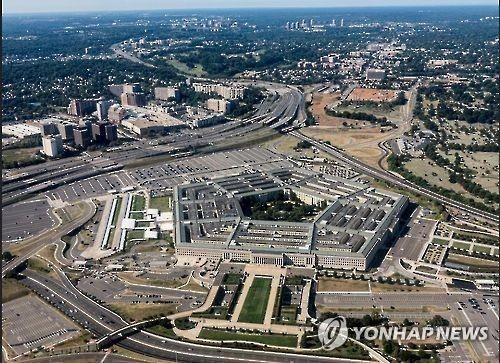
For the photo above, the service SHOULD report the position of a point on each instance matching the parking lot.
(29, 323)
(166, 176)
(26, 219)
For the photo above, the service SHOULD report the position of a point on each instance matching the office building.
(79, 107)
(118, 89)
(116, 113)
(52, 145)
(220, 106)
(66, 131)
(102, 109)
(111, 132)
(48, 128)
(167, 93)
(133, 99)
(82, 136)
(228, 92)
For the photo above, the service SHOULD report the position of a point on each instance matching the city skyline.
(33, 6)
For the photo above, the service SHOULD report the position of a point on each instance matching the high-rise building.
(48, 128)
(66, 131)
(82, 136)
(116, 113)
(223, 106)
(52, 145)
(78, 107)
(118, 89)
(133, 99)
(111, 132)
(99, 132)
(341, 22)
(166, 93)
(102, 109)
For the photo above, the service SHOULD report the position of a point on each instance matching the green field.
(439, 241)
(117, 211)
(196, 71)
(255, 305)
(232, 279)
(138, 202)
(464, 246)
(160, 203)
(482, 249)
(269, 339)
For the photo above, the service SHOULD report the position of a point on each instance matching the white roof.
(128, 223)
(149, 234)
(151, 211)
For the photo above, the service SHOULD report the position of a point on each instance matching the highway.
(101, 321)
(393, 178)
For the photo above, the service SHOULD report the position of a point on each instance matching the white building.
(102, 109)
(52, 145)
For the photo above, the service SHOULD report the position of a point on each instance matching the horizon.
(13, 7)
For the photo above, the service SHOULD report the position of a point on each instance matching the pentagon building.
(352, 223)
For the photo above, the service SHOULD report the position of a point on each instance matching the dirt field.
(322, 100)
(360, 143)
(360, 140)
(332, 284)
(372, 94)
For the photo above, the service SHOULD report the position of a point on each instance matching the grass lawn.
(327, 284)
(142, 311)
(20, 154)
(232, 279)
(268, 339)
(161, 203)
(439, 241)
(196, 71)
(136, 215)
(12, 289)
(162, 330)
(482, 249)
(289, 313)
(138, 202)
(461, 245)
(117, 211)
(255, 305)
(134, 234)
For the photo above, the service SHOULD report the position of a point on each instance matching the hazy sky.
(22, 6)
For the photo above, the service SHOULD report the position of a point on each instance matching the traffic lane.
(87, 315)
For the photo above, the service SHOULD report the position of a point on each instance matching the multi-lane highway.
(101, 321)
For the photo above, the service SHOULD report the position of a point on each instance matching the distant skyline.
(40, 6)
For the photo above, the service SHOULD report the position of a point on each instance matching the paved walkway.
(239, 304)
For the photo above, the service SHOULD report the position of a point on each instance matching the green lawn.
(482, 249)
(439, 241)
(161, 203)
(232, 279)
(136, 215)
(133, 234)
(138, 202)
(197, 71)
(269, 339)
(464, 246)
(117, 211)
(255, 305)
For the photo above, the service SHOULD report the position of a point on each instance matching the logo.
(332, 332)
